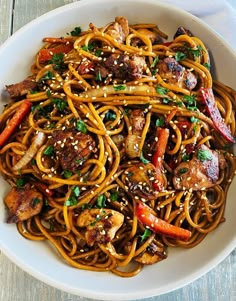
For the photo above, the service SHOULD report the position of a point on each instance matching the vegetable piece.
(46, 54)
(43, 188)
(162, 139)
(57, 40)
(145, 216)
(209, 101)
(31, 151)
(15, 121)
(162, 135)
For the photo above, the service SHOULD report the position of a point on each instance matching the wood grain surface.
(16, 285)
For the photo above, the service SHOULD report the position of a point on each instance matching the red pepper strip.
(162, 136)
(158, 225)
(43, 188)
(15, 121)
(57, 40)
(171, 115)
(209, 101)
(46, 54)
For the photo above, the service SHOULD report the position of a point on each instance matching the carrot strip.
(46, 54)
(158, 225)
(162, 136)
(15, 121)
(57, 40)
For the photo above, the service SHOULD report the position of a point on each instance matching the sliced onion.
(132, 146)
(32, 150)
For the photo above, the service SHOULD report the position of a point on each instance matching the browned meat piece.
(174, 73)
(23, 203)
(119, 30)
(149, 34)
(181, 30)
(85, 67)
(122, 67)
(101, 224)
(137, 121)
(22, 88)
(140, 178)
(133, 139)
(152, 254)
(201, 172)
(72, 148)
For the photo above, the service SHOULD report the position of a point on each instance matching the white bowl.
(38, 258)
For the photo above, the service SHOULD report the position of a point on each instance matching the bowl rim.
(85, 293)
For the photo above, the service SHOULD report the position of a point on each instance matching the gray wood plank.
(16, 285)
(6, 19)
(27, 10)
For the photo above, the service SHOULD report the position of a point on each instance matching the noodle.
(124, 123)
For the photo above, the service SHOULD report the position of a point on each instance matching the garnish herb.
(98, 52)
(81, 126)
(60, 103)
(49, 151)
(194, 119)
(166, 100)
(76, 191)
(114, 196)
(35, 201)
(203, 155)
(179, 103)
(72, 201)
(160, 122)
(207, 65)
(48, 93)
(21, 182)
(146, 234)
(161, 90)
(101, 201)
(58, 61)
(185, 157)
(183, 170)
(79, 161)
(119, 88)
(76, 31)
(67, 174)
(154, 63)
(47, 76)
(110, 115)
(90, 47)
(98, 76)
(191, 102)
(195, 52)
(42, 111)
(179, 56)
(145, 161)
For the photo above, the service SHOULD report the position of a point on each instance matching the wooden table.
(17, 285)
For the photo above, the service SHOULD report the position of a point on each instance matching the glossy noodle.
(117, 146)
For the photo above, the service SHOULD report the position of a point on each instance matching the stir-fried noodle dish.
(117, 146)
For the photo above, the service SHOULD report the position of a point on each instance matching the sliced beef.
(72, 148)
(119, 30)
(21, 88)
(23, 203)
(174, 73)
(181, 30)
(201, 172)
(122, 67)
(101, 224)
